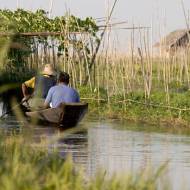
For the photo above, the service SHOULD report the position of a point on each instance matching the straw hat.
(48, 70)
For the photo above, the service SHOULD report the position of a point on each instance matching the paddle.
(17, 105)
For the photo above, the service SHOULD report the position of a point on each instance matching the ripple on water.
(104, 145)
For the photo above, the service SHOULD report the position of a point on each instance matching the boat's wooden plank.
(65, 114)
(51, 115)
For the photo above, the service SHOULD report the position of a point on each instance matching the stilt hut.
(174, 42)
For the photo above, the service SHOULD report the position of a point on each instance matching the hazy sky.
(163, 15)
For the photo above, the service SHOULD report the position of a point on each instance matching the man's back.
(42, 85)
(62, 93)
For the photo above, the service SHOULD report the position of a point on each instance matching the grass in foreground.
(25, 167)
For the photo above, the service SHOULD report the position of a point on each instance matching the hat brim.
(48, 73)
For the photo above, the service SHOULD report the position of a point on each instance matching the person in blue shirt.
(61, 93)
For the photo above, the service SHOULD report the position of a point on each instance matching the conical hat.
(48, 70)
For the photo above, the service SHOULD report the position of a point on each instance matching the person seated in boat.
(40, 85)
(61, 93)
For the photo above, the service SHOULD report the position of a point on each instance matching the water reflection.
(124, 150)
(104, 145)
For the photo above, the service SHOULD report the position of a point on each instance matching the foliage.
(134, 106)
(27, 21)
(21, 21)
(97, 98)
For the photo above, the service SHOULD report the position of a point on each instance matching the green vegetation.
(135, 107)
(25, 166)
(30, 39)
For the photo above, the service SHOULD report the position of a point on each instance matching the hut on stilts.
(175, 42)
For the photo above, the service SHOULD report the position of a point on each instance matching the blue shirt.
(61, 93)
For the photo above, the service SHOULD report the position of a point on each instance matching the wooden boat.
(67, 115)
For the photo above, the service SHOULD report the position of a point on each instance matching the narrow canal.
(116, 147)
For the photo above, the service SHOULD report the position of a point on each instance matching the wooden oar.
(17, 105)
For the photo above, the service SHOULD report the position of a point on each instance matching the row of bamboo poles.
(139, 70)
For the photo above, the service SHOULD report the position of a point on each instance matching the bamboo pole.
(101, 38)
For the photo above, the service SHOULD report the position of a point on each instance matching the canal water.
(116, 147)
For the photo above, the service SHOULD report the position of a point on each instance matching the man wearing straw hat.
(61, 93)
(40, 85)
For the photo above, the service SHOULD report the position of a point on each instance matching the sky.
(163, 16)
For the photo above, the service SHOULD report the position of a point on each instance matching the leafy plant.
(15, 25)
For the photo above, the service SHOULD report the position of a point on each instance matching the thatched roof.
(172, 39)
